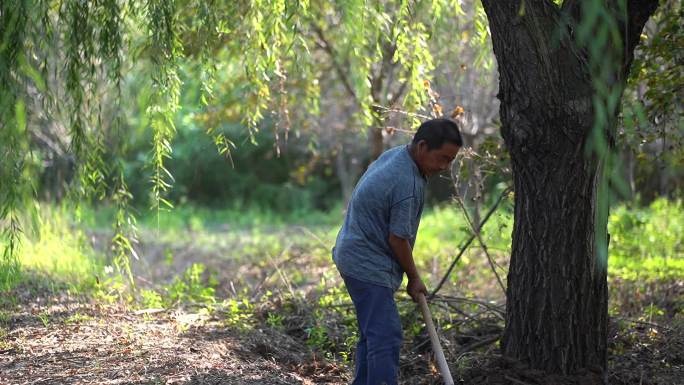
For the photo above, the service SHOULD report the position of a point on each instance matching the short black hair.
(436, 132)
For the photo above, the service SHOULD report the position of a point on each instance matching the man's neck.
(412, 153)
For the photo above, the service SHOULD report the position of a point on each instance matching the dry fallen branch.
(635, 321)
(478, 234)
(509, 378)
(480, 302)
(468, 242)
(149, 311)
(478, 344)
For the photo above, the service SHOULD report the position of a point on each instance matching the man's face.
(435, 161)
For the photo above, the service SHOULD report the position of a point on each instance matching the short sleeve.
(401, 218)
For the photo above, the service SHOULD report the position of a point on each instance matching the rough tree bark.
(556, 315)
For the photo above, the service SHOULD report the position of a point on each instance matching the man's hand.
(414, 287)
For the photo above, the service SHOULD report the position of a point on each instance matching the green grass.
(59, 250)
(198, 218)
(443, 231)
(646, 242)
(645, 247)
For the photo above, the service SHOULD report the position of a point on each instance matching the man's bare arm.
(404, 255)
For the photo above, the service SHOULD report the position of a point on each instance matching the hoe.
(436, 347)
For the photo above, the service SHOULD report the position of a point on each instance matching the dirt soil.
(91, 344)
(60, 340)
(48, 337)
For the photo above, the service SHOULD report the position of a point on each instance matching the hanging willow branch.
(84, 41)
(14, 186)
(125, 224)
(307, 91)
(80, 36)
(208, 32)
(607, 35)
(415, 57)
(266, 40)
(356, 28)
(257, 64)
(165, 51)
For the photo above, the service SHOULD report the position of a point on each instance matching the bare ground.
(59, 341)
(62, 340)
(48, 337)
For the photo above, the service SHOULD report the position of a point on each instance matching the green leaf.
(20, 116)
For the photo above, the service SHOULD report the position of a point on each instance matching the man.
(374, 246)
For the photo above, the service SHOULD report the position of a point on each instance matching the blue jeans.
(377, 352)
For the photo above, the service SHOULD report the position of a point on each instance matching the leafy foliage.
(165, 50)
(603, 33)
(651, 116)
(16, 190)
(111, 72)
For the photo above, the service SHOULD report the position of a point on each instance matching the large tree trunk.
(556, 314)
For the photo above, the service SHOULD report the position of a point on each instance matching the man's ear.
(422, 146)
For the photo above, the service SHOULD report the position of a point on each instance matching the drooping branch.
(324, 44)
(166, 49)
(12, 138)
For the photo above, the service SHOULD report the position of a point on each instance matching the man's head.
(435, 145)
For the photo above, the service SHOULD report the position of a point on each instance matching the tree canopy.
(64, 65)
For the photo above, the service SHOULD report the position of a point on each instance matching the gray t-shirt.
(388, 199)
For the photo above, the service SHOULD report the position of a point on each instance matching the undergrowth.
(646, 250)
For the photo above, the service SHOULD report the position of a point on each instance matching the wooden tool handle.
(436, 347)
